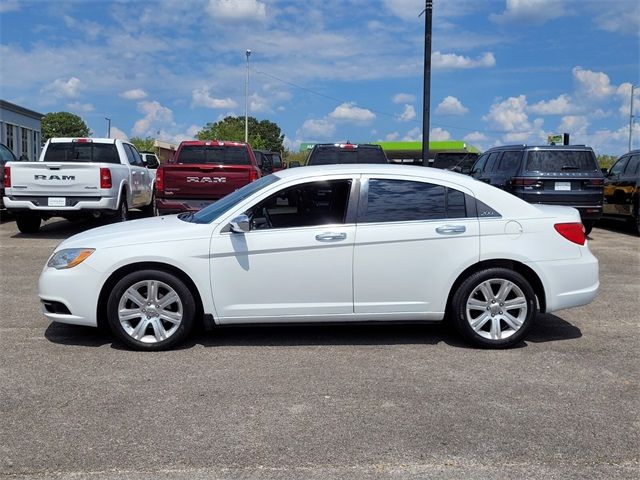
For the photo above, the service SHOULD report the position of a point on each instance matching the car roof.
(540, 147)
(219, 143)
(88, 139)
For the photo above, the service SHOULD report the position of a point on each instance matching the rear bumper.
(39, 204)
(569, 283)
(177, 205)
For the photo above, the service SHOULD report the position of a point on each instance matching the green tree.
(63, 124)
(143, 144)
(300, 157)
(606, 161)
(263, 134)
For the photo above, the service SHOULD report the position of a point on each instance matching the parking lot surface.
(385, 401)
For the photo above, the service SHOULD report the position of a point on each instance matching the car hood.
(147, 230)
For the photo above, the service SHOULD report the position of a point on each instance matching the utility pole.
(246, 101)
(109, 127)
(426, 97)
(631, 117)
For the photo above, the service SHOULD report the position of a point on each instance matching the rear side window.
(404, 201)
(82, 152)
(633, 168)
(336, 155)
(277, 161)
(479, 165)
(491, 161)
(561, 161)
(509, 163)
(619, 166)
(213, 154)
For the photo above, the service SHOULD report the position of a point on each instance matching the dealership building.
(20, 130)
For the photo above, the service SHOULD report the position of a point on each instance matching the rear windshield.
(561, 161)
(82, 152)
(276, 160)
(333, 155)
(214, 154)
(450, 160)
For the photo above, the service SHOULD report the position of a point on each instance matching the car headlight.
(69, 257)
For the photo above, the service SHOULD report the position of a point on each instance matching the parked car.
(553, 175)
(622, 189)
(460, 162)
(362, 242)
(202, 172)
(339, 153)
(77, 177)
(6, 155)
(269, 162)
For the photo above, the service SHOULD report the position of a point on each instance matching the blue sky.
(331, 70)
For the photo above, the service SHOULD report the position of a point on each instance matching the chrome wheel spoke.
(496, 331)
(516, 303)
(479, 322)
(152, 291)
(133, 295)
(158, 329)
(505, 289)
(512, 321)
(475, 304)
(485, 289)
(127, 314)
(167, 300)
(140, 329)
(172, 317)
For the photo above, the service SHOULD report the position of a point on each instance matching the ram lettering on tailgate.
(206, 179)
(54, 177)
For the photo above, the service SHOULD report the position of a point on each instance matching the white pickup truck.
(75, 177)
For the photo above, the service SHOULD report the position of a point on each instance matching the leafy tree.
(143, 144)
(263, 135)
(606, 161)
(300, 157)
(63, 124)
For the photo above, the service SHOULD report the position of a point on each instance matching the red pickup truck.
(202, 172)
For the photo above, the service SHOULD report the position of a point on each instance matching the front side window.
(479, 165)
(618, 167)
(634, 166)
(405, 200)
(304, 205)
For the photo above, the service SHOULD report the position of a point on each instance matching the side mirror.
(294, 164)
(605, 171)
(240, 224)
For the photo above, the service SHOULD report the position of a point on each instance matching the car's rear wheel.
(123, 210)
(588, 226)
(151, 310)
(28, 222)
(151, 209)
(494, 308)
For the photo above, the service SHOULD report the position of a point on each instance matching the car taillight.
(597, 181)
(160, 180)
(254, 174)
(523, 181)
(105, 178)
(7, 176)
(574, 232)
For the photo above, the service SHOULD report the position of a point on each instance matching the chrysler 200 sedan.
(361, 243)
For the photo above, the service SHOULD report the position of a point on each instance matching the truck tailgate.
(55, 179)
(204, 181)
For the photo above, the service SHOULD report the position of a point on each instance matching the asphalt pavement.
(362, 402)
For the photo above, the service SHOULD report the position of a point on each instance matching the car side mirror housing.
(294, 163)
(240, 224)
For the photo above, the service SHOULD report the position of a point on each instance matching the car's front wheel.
(494, 308)
(151, 310)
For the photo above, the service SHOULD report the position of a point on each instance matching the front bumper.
(75, 288)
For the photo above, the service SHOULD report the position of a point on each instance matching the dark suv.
(554, 175)
(333, 153)
(622, 189)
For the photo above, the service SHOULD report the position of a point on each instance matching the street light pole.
(426, 99)
(631, 117)
(109, 127)
(246, 101)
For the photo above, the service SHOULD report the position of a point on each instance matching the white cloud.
(475, 137)
(438, 135)
(193, 130)
(80, 107)
(558, 106)
(403, 98)
(529, 11)
(237, 10)
(349, 112)
(449, 61)
(408, 114)
(156, 119)
(391, 137)
(117, 133)
(618, 17)
(593, 85)
(574, 124)
(9, 6)
(509, 115)
(60, 88)
(413, 135)
(451, 106)
(316, 128)
(258, 104)
(202, 98)
(134, 94)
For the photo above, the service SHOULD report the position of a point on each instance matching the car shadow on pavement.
(547, 328)
(617, 226)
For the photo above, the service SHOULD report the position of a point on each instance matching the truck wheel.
(494, 308)
(28, 222)
(588, 226)
(123, 210)
(151, 209)
(151, 310)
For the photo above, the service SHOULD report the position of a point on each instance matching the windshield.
(213, 211)
(561, 161)
(336, 155)
(82, 152)
(213, 154)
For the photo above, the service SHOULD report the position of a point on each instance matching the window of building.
(11, 140)
(24, 144)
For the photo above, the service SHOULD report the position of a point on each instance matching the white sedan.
(347, 243)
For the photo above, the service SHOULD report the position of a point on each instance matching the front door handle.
(451, 229)
(331, 236)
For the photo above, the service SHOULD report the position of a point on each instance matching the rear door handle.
(451, 229)
(331, 236)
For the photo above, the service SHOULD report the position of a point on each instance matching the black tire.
(588, 226)
(466, 292)
(28, 222)
(122, 215)
(636, 218)
(151, 209)
(147, 343)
